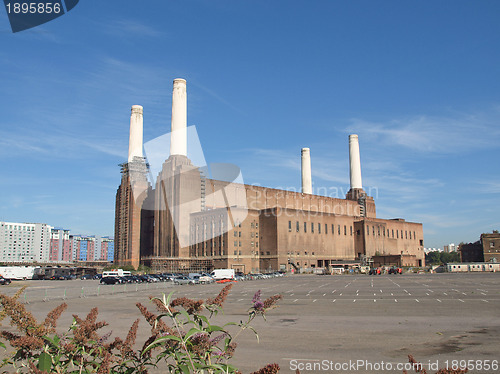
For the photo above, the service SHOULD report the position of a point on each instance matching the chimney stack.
(178, 137)
(135, 140)
(354, 163)
(306, 171)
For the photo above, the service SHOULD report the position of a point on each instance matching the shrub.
(183, 339)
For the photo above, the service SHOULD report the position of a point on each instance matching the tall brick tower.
(130, 196)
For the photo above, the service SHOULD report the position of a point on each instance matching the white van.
(219, 274)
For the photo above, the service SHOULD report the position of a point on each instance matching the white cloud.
(457, 133)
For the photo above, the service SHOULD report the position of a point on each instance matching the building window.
(297, 227)
(393, 233)
(401, 234)
(251, 225)
(235, 253)
(326, 228)
(235, 243)
(312, 227)
(367, 230)
(373, 230)
(414, 236)
(289, 226)
(338, 229)
(397, 234)
(351, 230)
(239, 234)
(378, 230)
(406, 234)
(333, 229)
(319, 228)
(240, 244)
(236, 233)
(257, 244)
(305, 226)
(492, 244)
(345, 230)
(410, 235)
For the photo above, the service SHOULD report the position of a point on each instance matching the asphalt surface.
(335, 324)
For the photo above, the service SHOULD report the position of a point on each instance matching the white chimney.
(135, 140)
(354, 163)
(178, 137)
(306, 171)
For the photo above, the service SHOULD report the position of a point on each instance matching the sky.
(419, 82)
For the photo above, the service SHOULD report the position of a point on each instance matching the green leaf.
(192, 332)
(213, 328)
(44, 362)
(185, 369)
(161, 340)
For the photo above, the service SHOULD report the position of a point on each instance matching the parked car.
(4, 280)
(183, 279)
(86, 276)
(205, 279)
(110, 280)
(395, 270)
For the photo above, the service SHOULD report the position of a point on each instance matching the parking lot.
(322, 320)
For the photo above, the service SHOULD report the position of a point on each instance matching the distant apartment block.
(60, 245)
(40, 242)
(92, 248)
(24, 242)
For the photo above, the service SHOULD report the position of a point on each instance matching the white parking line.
(482, 293)
(374, 300)
(396, 300)
(292, 294)
(417, 300)
(461, 300)
(324, 294)
(334, 291)
(334, 300)
(430, 290)
(314, 300)
(354, 301)
(427, 293)
(295, 300)
(444, 293)
(340, 295)
(438, 300)
(486, 301)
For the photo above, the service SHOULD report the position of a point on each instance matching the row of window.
(237, 234)
(388, 232)
(252, 244)
(313, 225)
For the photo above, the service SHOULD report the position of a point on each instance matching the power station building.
(183, 220)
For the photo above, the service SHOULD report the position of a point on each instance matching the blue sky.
(419, 82)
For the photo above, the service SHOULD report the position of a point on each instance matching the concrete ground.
(337, 324)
